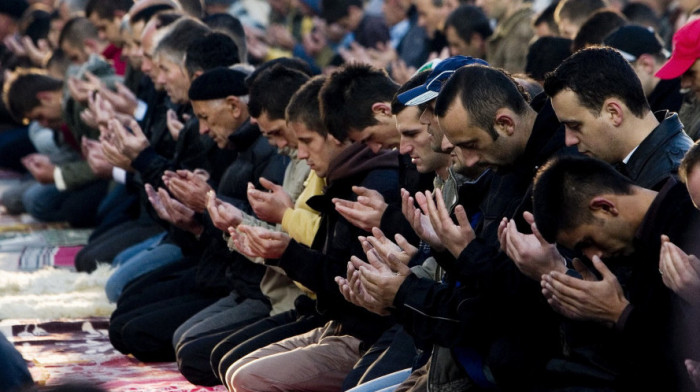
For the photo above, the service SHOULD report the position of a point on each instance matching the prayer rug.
(79, 350)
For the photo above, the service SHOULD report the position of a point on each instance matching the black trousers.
(152, 308)
(260, 334)
(105, 247)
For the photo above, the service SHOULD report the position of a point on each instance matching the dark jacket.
(336, 239)
(220, 270)
(659, 155)
(654, 334)
(393, 222)
(486, 303)
(191, 152)
(666, 96)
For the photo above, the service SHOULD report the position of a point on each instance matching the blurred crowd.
(382, 195)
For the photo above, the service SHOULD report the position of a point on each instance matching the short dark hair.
(334, 10)
(577, 10)
(211, 51)
(181, 35)
(291, 63)
(596, 74)
(35, 23)
(76, 31)
(467, 20)
(304, 106)
(642, 14)
(21, 89)
(415, 81)
(193, 8)
(547, 16)
(601, 23)
(166, 18)
(690, 160)
(545, 55)
(147, 13)
(482, 90)
(231, 26)
(564, 187)
(272, 90)
(105, 9)
(348, 95)
(60, 60)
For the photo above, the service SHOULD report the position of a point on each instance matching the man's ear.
(477, 40)
(336, 142)
(91, 45)
(119, 14)
(234, 105)
(382, 108)
(612, 110)
(603, 205)
(44, 97)
(196, 74)
(647, 63)
(504, 122)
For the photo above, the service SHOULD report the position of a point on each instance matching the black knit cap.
(13, 8)
(218, 83)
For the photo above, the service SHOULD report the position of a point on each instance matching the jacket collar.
(244, 136)
(668, 128)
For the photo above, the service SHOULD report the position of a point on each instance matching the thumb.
(403, 243)
(538, 235)
(360, 190)
(267, 184)
(397, 266)
(529, 218)
(136, 128)
(581, 269)
(122, 89)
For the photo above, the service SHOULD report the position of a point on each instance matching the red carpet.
(79, 350)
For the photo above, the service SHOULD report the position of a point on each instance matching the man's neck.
(443, 172)
(637, 205)
(636, 130)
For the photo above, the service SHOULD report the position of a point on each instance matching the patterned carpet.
(60, 351)
(47, 310)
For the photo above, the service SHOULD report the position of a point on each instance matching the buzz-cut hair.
(76, 31)
(564, 187)
(179, 36)
(304, 106)
(348, 95)
(271, 91)
(106, 9)
(689, 162)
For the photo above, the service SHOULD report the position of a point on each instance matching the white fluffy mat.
(54, 293)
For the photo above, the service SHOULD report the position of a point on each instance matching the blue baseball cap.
(442, 70)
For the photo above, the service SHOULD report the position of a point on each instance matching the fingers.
(602, 268)
(407, 247)
(461, 215)
(397, 266)
(376, 261)
(502, 234)
(256, 195)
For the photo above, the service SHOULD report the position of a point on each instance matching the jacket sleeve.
(462, 313)
(76, 174)
(302, 222)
